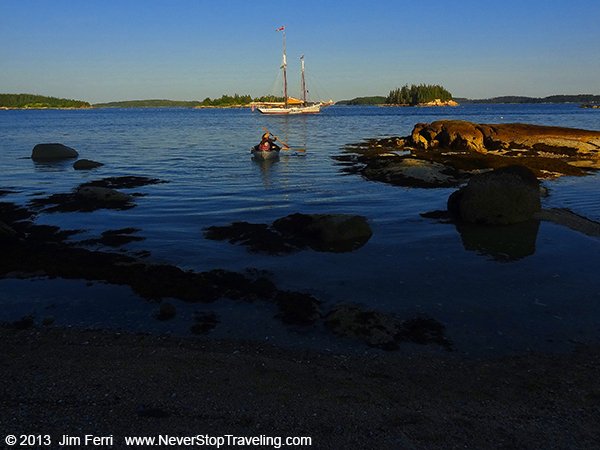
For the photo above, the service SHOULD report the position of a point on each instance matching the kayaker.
(267, 143)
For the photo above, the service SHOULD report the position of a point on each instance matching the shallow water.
(549, 299)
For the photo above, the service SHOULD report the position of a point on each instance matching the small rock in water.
(86, 164)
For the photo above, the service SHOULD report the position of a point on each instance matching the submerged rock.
(85, 199)
(52, 152)
(124, 182)
(102, 195)
(115, 238)
(86, 164)
(374, 328)
(500, 197)
(325, 232)
(320, 232)
(411, 172)
(567, 218)
(382, 330)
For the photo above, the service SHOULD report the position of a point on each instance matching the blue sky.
(191, 49)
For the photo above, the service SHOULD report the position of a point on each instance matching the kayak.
(257, 153)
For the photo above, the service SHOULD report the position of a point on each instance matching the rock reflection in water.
(502, 242)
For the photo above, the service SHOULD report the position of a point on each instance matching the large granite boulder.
(52, 152)
(448, 134)
(500, 197)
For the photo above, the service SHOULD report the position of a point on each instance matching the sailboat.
(291, 105)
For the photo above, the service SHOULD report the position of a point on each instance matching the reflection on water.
(53, 166)
(265, 166)
(502, 243)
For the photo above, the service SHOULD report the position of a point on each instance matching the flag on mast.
(280, 28)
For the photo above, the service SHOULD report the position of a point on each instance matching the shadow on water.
(503, 243)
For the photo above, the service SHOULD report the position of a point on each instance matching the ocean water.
(547, 299)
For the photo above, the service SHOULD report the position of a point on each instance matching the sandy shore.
(64, 381)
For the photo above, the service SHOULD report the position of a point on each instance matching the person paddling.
(267, 143)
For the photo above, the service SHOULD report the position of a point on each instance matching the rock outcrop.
(457, 150)
(52, 152)
(467, 136)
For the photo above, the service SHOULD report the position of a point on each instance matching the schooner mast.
(284, 67)
(290, 105)
(303, 80)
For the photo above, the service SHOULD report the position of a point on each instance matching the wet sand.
(76, 382)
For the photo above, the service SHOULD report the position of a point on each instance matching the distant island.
(32, 101)
(375, 100)
(225, 101)
(589, 100)
(579, 98)
(413, 95)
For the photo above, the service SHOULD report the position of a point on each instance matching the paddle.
(285, 145)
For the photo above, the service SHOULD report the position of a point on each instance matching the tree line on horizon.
(224, 101)
(39, 101)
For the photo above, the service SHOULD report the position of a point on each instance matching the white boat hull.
(312, 109)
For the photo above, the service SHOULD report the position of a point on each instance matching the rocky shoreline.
(447, 153)
(111, 383)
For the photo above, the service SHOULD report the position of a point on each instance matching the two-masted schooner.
(291, 105)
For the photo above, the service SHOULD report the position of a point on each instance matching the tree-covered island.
(413, 95)
(32, 101)
(422, 94)
(225, 101)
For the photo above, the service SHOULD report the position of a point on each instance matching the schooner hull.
(291, 110)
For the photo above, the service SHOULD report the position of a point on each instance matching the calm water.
(547, 300)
